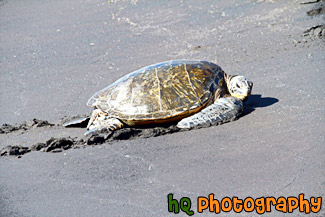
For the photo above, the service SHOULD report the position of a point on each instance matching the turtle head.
(240, 87)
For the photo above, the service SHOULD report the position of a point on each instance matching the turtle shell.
(159, 93)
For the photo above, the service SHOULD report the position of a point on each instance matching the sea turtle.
(192, 93)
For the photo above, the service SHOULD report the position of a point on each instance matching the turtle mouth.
(241, 97)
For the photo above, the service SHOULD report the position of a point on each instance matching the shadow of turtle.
(257, 101)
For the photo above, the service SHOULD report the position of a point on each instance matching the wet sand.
(56, 54)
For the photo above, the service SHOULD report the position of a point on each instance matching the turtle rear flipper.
(222, 111)
(79, 122)
(106, 124)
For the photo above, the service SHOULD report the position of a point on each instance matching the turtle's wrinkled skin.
(166, 92)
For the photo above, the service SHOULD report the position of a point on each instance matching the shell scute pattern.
(161, 90)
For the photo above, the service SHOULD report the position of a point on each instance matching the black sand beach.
(56, 54)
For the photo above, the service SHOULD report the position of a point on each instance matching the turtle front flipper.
(222, 111)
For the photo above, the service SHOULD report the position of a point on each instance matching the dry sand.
(56, 54)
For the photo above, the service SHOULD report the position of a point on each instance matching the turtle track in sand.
(55, 145)
(317, 31)
(7, 128)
